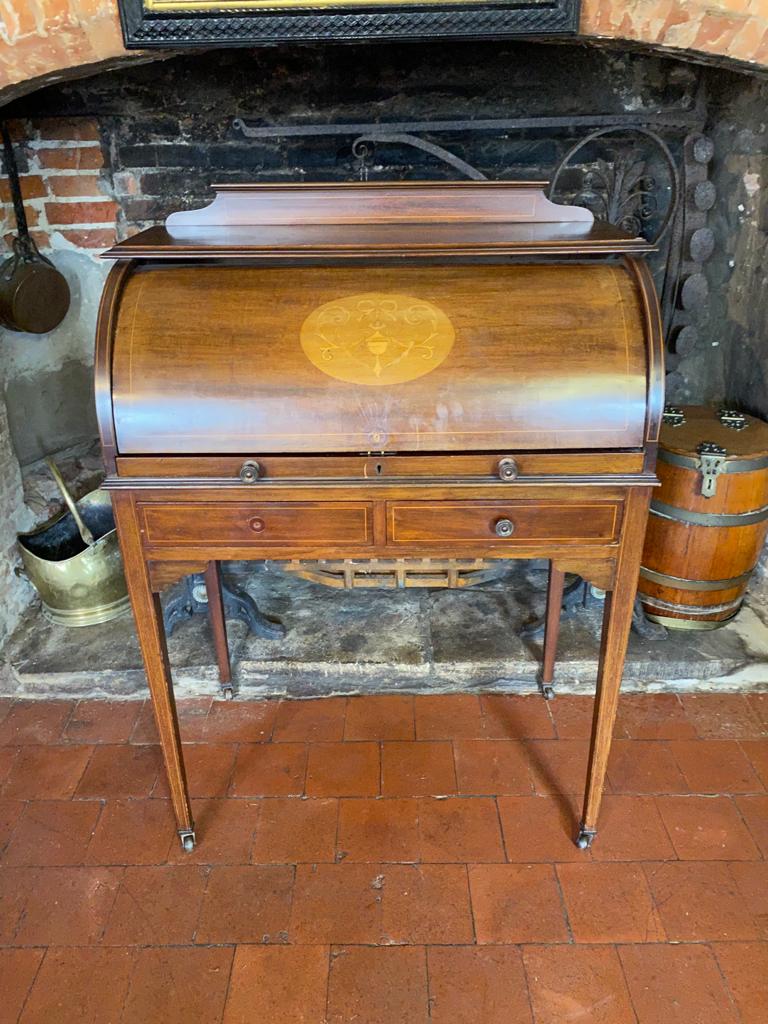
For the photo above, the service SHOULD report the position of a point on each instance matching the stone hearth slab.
(365, 641)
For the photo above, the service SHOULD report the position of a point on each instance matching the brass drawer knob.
(504, 528)
(256, 524)
(507, 469)
(250, 472)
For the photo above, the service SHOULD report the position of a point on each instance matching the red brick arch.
(42, 40)
(726, 30)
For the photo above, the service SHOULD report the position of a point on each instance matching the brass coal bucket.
(80, 583)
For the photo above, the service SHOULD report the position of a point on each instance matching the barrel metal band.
(680, 583)
(693, 624)
(692, 609)
(729, 466)
(684, 515)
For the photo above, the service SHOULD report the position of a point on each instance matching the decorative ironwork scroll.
(185, 23)
(629, 177)
(619, 179)
(361, 148)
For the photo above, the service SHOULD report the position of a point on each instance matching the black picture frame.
(342, 21)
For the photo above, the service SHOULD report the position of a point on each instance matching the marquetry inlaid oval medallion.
(377, 338)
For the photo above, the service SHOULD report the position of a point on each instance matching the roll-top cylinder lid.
(253, 359)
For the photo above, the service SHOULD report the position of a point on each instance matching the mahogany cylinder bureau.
(381, 371)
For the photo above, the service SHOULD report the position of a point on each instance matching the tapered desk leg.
(617, 619)
(149, 626)
(552, 628)
(218, 625)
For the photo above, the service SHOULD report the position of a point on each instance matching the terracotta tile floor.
(385, 860)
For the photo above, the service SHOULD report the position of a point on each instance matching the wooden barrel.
(708, 519)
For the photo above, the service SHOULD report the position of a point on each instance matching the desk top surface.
(418, 220)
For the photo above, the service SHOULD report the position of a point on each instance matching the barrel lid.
(686, 427)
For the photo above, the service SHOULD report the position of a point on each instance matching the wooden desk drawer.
(501, 522)
(294, 523)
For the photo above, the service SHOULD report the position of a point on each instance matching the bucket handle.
(85, 533)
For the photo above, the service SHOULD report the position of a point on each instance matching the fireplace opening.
(670, 147)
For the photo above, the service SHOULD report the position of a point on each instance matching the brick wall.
(166, 130)
(61, 166)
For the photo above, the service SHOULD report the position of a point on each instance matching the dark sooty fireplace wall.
(118, 151)
(167, 133)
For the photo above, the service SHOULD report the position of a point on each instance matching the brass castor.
(585, 837)
(187, 841)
